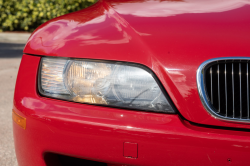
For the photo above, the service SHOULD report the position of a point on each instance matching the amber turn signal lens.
(21, 121)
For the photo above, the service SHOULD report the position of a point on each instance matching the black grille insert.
(226, 84)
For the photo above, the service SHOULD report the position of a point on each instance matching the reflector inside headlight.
(104, 83)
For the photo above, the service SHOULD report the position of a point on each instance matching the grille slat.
(233, 88)
(240, 91)
(247, 94)
(227, 88)
(211, 77)
(218, 73)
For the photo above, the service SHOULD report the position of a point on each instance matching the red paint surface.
(172, 38)
(98, 133)
(130, 150)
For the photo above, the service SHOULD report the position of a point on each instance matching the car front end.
(136, 83)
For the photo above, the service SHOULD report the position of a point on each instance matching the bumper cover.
(99, 133)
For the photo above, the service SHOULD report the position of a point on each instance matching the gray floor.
(10, 56)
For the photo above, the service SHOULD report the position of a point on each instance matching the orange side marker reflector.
(21, 121)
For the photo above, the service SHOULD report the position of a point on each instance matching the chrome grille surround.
(200, 78)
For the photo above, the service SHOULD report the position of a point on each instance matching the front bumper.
(99, 133)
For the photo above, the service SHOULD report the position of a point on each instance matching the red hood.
(171, 37)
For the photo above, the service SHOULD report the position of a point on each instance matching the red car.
(137, 82)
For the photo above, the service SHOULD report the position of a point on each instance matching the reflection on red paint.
(172, 38)
(98, 133)
(166, 8)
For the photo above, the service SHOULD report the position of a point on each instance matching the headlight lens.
(103, 83)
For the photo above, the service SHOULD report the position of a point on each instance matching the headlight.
(103, 83)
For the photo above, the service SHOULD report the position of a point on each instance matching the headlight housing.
(103, 83)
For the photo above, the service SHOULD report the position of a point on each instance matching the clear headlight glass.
(102, 83)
